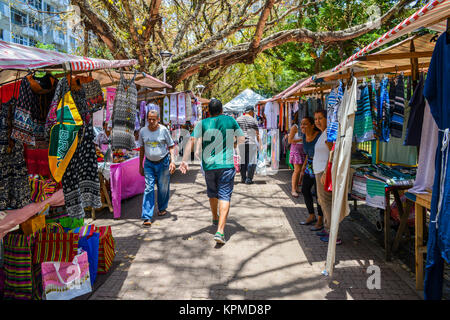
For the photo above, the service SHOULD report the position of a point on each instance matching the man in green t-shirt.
(215, 138)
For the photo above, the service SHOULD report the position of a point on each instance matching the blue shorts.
(220, 183)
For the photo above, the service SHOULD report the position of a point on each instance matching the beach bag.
(41, 188)
(64, 136)
(94, 94)
(66, 280)
(17, 263)
(33, 224)
(53, 244)
(89, 241)
(106, 249)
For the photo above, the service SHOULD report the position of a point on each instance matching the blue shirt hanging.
(436, 91)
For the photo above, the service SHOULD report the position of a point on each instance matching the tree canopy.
(228, 45)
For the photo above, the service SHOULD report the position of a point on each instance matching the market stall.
(381, 127)
(49, 174)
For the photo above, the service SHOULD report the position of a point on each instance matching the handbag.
(94, 94)
(54, 246)
(106, 249)
(41, 188)
(33, 224)
(328, 183)
(89, 241)
(66, 280)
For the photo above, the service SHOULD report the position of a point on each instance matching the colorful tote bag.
(166, 111)
(64, 136)
(89, 241)
(106, 249)
(41, 188)
(173, 109)
(51, 246)
(66, 280)
(18, 268)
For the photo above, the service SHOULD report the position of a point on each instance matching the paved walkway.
(268, 254)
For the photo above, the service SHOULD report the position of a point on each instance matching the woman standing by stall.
(296, 156)
(320, 162)
(310, 136)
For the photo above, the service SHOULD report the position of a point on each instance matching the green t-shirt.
(217, 135)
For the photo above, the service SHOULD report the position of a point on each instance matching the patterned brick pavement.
(269, 255)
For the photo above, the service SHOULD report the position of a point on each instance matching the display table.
(422, 203)
(125, 181)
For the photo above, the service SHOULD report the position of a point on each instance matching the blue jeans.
(159, 173)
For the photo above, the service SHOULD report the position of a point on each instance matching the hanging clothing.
(166, 111)
(35, 97)
(398, 109)
(437, 93)
(173, 109)
(334, 102)
(373, 96)
(143, 113)
(15, 191)
(181, 108)
(124, 114)
(415, 121)
(395, 152)
(80, 182)
(384, 111)
(363, 117)
(188, 107)
(340, 172)
(429, 141)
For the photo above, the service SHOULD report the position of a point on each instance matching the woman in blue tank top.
(310, 136)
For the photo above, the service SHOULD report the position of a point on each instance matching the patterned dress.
(14, 188)
(124, 114)
(81, 185)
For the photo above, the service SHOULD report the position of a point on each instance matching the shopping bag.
(89, 241)
(54, 245)
(41, 188)
(66, 280)
(18, 266)
(237, 161)
(106, 249)
(64, 136)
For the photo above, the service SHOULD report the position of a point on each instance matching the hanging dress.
(81, 185)
(188, 107)
(124, 114)
(166, 111)
(173, 109)
(15, 191)
(181, 108)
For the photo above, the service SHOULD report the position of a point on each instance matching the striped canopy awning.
(431, 16)
(19, 57)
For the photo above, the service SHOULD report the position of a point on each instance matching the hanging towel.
(334, 102)
(363, 116)
(188, 107)
(373, 108)
(383, 111)
(398, 110)
(181, 108)
(166, 111)
(173, 109)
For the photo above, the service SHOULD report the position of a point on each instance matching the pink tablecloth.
(126, 182)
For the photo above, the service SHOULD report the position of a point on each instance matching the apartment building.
(28, 22)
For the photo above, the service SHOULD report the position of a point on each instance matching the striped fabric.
(363, 129)
(384, 111)
(249, 125)
(432, 11)
(334, 102)
(106, 249)
(374, 109)
(55, 247)
(16, 56)
(18, 267)
(398, 109)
